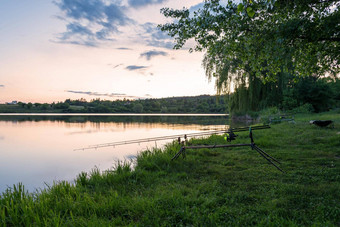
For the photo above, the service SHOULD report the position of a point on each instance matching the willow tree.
(260, 40)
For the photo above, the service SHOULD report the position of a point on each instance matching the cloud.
(111, 95)
(91, 22)
(143, 3)
(135, 67)
(123, 48)
(155, 37)
(95, 23)
(153, 53)
(116, 66)
(94, 93)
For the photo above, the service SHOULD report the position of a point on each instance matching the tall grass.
(210, 187)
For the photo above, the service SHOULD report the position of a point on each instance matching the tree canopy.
(264, 38)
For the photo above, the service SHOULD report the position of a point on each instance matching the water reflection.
(41, 149)
(182, 119)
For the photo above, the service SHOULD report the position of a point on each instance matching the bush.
(310, 94)
(305, 108)
(270, 111)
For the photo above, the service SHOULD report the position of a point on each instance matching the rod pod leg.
(182, 150)
(264, 156)
(263, 152)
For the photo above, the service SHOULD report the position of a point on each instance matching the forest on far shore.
(194, 104)
(307, 95)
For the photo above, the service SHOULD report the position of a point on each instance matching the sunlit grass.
(210, 187)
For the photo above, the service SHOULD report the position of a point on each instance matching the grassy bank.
(218, 187)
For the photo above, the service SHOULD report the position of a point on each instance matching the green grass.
(73, 107)
(216, 187)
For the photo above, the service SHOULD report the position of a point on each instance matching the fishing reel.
(229, 136)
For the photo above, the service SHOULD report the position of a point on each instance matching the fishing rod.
(173, 137)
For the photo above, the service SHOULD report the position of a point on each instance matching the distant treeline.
(306, 95)
(195, 104)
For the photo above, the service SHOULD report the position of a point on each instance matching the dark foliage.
(195, 104)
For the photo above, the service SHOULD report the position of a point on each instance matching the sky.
(51, 50)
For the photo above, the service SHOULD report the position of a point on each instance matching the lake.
(40, 149)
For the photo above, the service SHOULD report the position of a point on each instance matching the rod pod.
(252, 144)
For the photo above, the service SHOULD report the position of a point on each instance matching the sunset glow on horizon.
(59, 49)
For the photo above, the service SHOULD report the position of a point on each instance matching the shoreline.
(234, 187)
(110, 114)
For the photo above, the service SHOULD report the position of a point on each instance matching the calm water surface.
(38, 150)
